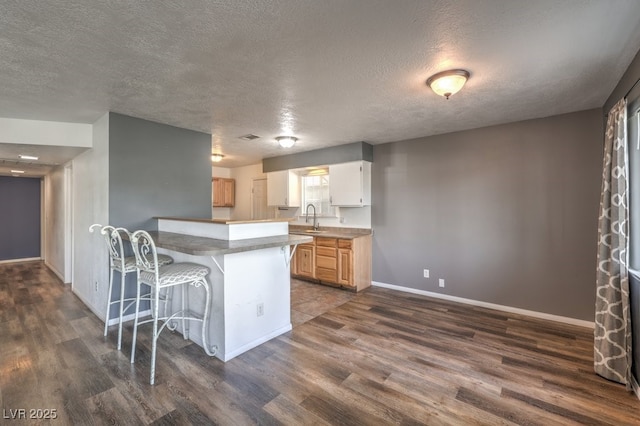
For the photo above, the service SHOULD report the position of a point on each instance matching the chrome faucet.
(306, 220)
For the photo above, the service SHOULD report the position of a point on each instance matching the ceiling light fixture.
(286, 141)
(216, 158)
(27, 157)
(447, 83)
(17, 171)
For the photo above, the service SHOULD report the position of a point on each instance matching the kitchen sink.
(314, 231)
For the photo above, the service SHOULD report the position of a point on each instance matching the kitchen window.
(315, 190)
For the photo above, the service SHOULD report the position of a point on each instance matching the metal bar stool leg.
(185, 305)
(211, 351)
(122, 280)
(106, 321)
(135, 318)
(154, 343)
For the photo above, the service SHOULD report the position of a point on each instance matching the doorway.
(259, 208)
(20, 218)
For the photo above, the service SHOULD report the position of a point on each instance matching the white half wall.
(91, 205)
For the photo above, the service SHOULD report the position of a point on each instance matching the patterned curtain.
(612, 334)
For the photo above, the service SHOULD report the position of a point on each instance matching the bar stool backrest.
(145, 251)
(114, 243)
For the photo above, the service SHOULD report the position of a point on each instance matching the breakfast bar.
(249, 278)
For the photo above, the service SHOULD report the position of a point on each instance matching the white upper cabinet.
(350, 184)
(283, 189)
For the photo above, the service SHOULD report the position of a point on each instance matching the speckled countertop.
(330, 232)
(202, 246)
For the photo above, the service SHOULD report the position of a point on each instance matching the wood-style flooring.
(378, 357)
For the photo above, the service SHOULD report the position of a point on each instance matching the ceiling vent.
(249, 137)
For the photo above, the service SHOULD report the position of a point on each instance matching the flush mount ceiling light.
(216, 158)
(27, 157)
(286, 141)
(447, 83)
(17, 171)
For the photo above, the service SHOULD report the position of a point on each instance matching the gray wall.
(156, 170)
(505, 214)
(19, 218)
(320, 157)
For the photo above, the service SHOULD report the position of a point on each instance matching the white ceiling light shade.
(286, 141)
(447, 83)
(216, 158)
(27, 157)
(17, 171)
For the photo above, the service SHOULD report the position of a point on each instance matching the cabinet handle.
(285, 201)
(330, 200)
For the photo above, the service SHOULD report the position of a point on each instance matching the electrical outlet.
(96, 285)
(426, 273)
(260, 309)
(441, 282)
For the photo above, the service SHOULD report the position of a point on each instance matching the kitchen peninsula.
(249, 278)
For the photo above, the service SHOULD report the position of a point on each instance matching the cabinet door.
(223, 192)
(229, 192)
(305, 264)
(283, 189)
(350, 184)
(345, 266)
(218, 192)
(277, 188)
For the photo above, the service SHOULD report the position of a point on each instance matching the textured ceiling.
(327, 71)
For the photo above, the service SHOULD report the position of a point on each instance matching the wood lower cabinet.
(337, 261)
(327, 259)
(345, 262)
(304, 262)
(224, 192)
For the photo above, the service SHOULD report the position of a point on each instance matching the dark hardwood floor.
(378, 357)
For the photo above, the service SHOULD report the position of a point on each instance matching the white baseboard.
(87, 304)
(129, 317)
(535, 314)
(26, 259)
(55, 271)
(242, 349)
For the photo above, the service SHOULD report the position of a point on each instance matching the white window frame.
(320, 200)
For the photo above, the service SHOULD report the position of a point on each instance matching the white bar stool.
(123, 264)
(166, 277)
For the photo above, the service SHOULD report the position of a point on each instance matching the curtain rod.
(605, 114)
(632, 87)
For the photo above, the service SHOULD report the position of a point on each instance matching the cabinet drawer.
(327, 262)
(344, 244)
(326, 242)
(329, 275)
(326, 251)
